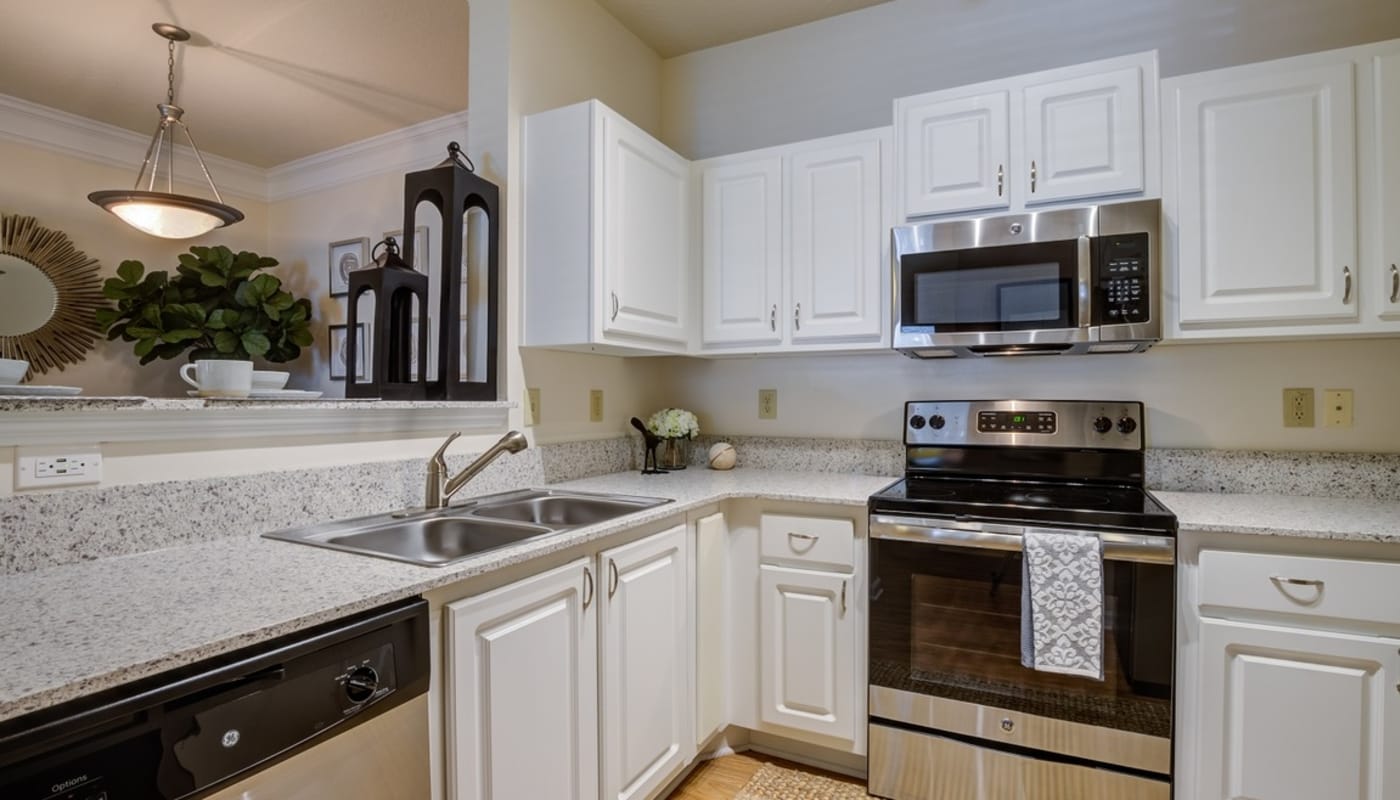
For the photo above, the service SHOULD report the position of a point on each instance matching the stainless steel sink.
(440, 537)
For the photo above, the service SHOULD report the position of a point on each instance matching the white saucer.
(267, 394)
(30, 390)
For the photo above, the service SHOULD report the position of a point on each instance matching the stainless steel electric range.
(953, 713)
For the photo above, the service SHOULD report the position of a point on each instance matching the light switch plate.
(595, 405)
(767, 403)
(40, 469)
(1337, 408)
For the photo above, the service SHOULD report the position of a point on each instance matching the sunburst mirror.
(49, 291)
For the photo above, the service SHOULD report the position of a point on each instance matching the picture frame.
(343, 258)
(336, 345)
(421, 261)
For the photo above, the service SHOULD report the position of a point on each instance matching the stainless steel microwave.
(1067, 281)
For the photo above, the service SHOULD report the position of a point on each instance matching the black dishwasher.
(201, 728)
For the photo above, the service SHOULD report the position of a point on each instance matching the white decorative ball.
(723, 456)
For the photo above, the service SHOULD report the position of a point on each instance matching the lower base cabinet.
(808, 651)
(1292, 714)
(522, 690)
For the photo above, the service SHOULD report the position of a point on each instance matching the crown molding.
(414, 147)
(98, 142)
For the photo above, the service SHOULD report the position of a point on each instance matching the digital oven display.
(1016, 422)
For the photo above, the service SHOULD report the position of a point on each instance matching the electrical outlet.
(532, 406)
(767, 403)
(1336, 405)
(1298, 408)
(595, 405)
(67, 468)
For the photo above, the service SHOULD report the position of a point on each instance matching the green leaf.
(256, 343)
(143, 331)
(144, 346)
(211, 276)
(226, 341)
(246, 295)
(130, 272)
(221, 319)
(271, 312)
(104, 317)
(301, 337)
(181, 335)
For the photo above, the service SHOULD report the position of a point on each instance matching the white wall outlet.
(767, 403)
(1336, 404)
(42, 469)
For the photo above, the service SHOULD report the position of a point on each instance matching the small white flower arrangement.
(674, 423)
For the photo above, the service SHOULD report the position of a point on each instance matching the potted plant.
(676, 427)
(217, 306)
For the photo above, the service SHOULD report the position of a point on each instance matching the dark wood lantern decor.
(466, 320)
(400, 296)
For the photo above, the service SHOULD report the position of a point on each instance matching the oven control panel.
(1035, 423)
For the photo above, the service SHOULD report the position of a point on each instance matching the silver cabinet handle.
(843, 597)
(1346, 286)
(1394, 284)
(1033, 171)
(1296, 581)
(612, 585)
(615, 306)
(797, 317)
(587, 588)
(806, 537)
(773, 318)
(1001, 179)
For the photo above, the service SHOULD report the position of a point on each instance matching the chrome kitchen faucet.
(438, 491)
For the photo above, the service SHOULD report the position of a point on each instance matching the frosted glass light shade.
(168, 216)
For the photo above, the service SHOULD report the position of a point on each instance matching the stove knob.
(1127, 425)
(917, 422)
(1103, 424)
(361, 684)
(936, 422)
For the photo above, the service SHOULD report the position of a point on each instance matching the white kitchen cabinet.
(712, 629)
(794, 246)
(742, 251)
(1088, 130)
(1296, 715)
(808, 652)
(647, 641)
(1084, 135)
(1383, 182)
(954, 152)
(1264, 206)
(521, 693)
(606, 235)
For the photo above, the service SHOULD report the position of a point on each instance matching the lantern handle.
(389, 244)
(454, 152)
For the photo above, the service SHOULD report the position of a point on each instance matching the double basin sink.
(440, 537)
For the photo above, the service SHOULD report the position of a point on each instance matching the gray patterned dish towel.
(1062, 604)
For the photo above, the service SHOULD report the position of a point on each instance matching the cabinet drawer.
(1363, 591)
(808, 540)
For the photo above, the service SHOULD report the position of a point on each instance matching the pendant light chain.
(170, 75)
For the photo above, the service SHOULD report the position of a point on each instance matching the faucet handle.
(440, 457)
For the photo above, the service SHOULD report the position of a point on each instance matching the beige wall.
(1197, 395)
(841, 74)
(53, 188)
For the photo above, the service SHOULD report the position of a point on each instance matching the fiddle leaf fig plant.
(216, 305)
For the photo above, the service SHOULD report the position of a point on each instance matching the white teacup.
(219, 377)
(12, 371)
(269, 380)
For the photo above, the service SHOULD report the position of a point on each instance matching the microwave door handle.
(1086, 277)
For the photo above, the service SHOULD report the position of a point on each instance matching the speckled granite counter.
(1350, 519)
(77, 629)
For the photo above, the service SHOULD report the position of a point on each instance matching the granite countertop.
(73, 630)
(70, 631)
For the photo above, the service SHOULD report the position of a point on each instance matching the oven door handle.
(1117, 546)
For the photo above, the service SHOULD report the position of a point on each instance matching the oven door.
(945, 648)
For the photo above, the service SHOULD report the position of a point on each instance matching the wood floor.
(722, 778)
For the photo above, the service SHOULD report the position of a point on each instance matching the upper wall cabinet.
(1262, 168)
(1084, 131)
(606, 235)
(794, 246)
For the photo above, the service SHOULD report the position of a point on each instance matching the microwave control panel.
(1123, 280)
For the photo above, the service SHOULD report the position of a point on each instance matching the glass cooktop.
(1025, 501)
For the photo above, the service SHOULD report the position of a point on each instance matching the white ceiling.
(676, 27)
(262, 81)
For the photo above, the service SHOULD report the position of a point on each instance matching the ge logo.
(1015, 228)
(230, 737)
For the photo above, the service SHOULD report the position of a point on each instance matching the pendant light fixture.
(167, 214)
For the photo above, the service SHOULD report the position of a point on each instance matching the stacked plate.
(12, 371)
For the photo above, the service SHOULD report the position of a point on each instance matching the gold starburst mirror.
(49, 291)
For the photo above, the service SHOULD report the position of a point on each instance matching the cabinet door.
(742, 246)
(647, 704)
(1084, 136)
(954, 154)
(1296, 715)
(837, 235)
(644, 234)
(1266, 205)
(521, 688)
(1387, 99)
(712, 629)
(807, 656)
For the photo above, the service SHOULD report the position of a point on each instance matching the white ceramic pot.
(12, 371)
(269, 380)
